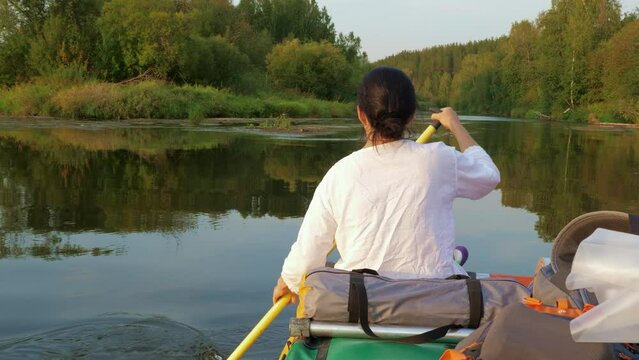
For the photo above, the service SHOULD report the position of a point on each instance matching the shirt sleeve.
(314, 240)
(477, 175)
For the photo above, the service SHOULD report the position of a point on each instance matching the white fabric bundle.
(607, 263)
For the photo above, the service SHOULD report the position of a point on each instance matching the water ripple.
(120, 336)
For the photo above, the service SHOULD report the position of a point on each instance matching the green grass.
(157, 100)
(282, 122)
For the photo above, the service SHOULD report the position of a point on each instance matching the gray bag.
(519, 332)
(333, 295)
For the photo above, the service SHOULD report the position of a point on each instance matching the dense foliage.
(315, 68)
(203, 42)
(578, 61)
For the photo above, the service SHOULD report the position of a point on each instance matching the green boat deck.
(342, 348)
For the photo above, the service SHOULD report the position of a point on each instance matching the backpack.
(538, 328)
(532, 331)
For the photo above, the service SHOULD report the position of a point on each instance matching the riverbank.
(157, 100)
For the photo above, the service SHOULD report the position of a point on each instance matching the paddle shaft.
(268, 318)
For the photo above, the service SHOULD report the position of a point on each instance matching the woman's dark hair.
(387, 97)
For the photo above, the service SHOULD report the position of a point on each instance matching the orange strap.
(562, 309)
(454, 355)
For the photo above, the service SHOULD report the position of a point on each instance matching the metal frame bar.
(350, 330)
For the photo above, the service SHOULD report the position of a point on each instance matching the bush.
(27, 100)
(313, 68)
(579, 115)
(212, 61)
(157, 100)
(196, 115)
(92, 101)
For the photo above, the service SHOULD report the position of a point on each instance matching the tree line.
(253, 46)
(579, 61)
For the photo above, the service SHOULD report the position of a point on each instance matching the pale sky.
(387, 27)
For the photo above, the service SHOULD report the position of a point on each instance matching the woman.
(389, 205)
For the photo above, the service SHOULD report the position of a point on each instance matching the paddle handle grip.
(428, 133)
(268, 318)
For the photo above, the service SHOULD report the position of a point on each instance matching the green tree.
(518, 66)
(443, 90)
(351, 47)
(475, 88)
(317, 68)
(301, 19)
(212, 61)
(570, 31)
(37, 36)
(621, 71)
(255, 44)
(68, 36)
(210, 17)
(140, 36)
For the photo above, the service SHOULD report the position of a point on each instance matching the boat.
(310, 340)
(328, 341)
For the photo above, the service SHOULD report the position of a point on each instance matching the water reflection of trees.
(75, 180)
(124, 180)
(49, 246)
(560, 172)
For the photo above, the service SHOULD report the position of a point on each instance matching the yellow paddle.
(428, 133)
(277, 308)
(260, 327)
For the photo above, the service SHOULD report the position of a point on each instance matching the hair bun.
(392, 127)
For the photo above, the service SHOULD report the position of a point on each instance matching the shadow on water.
(117, 336)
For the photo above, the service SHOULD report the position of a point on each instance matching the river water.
(161, 240)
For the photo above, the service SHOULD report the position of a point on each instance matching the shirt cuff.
(474, 149)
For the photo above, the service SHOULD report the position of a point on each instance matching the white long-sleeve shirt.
(390, 208)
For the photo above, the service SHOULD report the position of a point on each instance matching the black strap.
(458, 277)
(366, 271)
(356, 275)
(358, 309)
(476, 302)
(322, 348)
(352, 300)
(634, 224)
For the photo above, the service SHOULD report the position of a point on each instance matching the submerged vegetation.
(49, 247)
(578, 61)
(188, 59)
(281, 122)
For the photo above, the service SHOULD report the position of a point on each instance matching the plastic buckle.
(530, 301)
(562, 303)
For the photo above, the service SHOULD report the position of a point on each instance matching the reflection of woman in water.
(389, 205)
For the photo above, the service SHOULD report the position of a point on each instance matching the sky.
(387, 27)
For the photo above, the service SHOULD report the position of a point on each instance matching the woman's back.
(392, 205)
